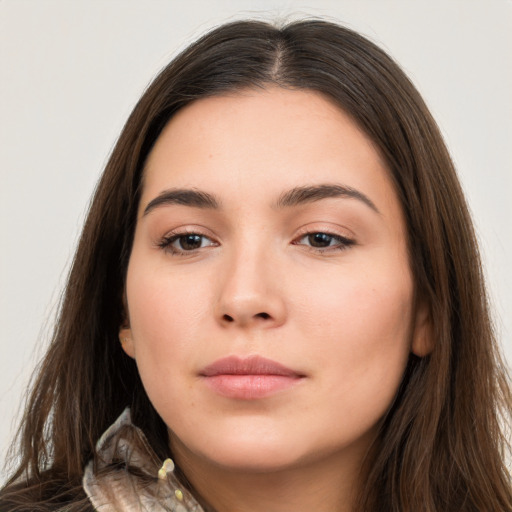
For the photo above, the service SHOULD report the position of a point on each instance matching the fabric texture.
(127, 476)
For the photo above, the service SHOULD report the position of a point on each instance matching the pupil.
(320, 240)
(189, 242)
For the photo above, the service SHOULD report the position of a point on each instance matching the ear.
(125, 337)
(422, 339)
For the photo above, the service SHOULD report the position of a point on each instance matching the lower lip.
(250, 387)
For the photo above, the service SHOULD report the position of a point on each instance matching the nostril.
(242, 319)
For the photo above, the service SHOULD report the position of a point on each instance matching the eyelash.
(342, 243)
(166, 242)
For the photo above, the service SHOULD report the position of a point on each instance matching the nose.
(250, 292)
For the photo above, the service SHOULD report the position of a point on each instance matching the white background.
(71, 71)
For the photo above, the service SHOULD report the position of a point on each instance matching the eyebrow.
(185, 197)
(294, 197)
(310, 194)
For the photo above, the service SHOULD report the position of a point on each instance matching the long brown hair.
(442, 444)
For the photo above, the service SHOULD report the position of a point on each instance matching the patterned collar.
(127, 476)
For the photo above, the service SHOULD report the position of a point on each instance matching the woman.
(279, 277)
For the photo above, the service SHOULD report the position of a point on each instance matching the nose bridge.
(249, 291)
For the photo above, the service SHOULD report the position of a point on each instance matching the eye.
(181, 243)
(320, 240)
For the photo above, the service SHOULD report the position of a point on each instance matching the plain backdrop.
(71, 71)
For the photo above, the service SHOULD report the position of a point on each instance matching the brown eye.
(185, 243)
(319, 240)
(189, 242)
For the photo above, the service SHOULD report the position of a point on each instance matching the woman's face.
(269, 294)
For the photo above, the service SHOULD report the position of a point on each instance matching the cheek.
(162, 319)
(361, 351)
(369, 297)
(362, 323)
(163, 302)
(166, 310)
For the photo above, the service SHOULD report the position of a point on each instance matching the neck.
(324, 486)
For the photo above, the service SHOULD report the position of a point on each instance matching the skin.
(342, 316)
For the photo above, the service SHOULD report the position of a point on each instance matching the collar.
(127, 476)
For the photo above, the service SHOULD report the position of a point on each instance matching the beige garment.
(125, 476)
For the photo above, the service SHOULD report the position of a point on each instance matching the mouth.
(249, 378)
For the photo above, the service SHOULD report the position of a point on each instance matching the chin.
(240, 451)
(254, 459)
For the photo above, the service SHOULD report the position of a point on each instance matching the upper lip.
(252, 365)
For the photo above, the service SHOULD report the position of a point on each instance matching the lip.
(249, 378)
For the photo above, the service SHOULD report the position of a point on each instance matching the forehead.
(259, 143)
(276, 117)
